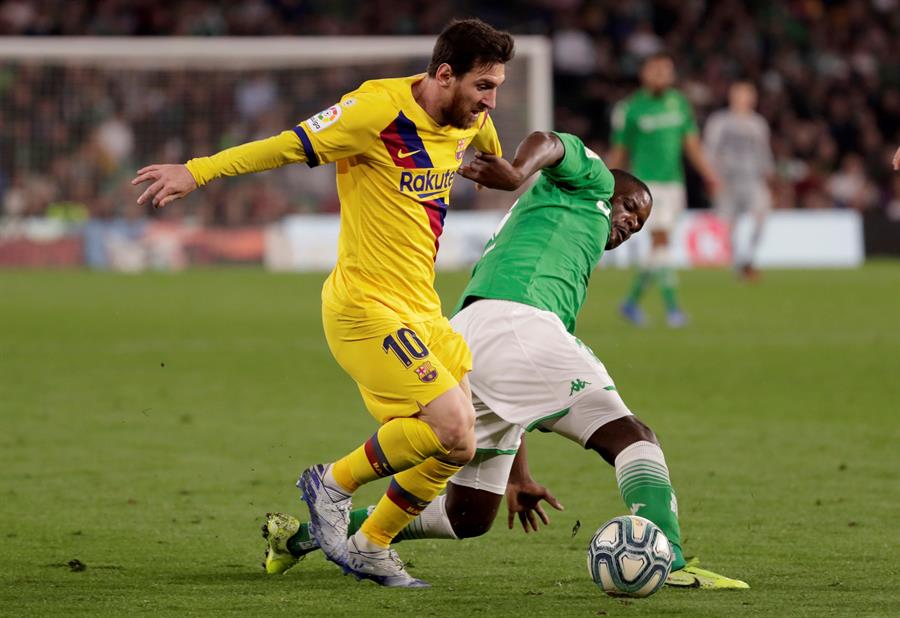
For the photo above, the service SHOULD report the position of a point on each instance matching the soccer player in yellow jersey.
(397, 144)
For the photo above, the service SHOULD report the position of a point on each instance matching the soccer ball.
(629, 556)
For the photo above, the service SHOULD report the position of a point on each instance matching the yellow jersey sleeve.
(487, 140)
(347, 128)
(257, 156)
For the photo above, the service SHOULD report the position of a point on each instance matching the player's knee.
(638, 431)
(614, 437)
(463, 449)
(660, 238)
(457, 429)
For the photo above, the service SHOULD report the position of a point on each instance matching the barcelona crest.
(460, 149)
(426, 372)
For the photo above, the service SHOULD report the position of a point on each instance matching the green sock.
(668, 284)
(644, 484)
(641, 279)
(302, 542)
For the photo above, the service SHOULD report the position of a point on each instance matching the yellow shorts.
(402, 368)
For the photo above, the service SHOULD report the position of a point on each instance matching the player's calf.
(469, 512)
(632, 448)
(642, 475)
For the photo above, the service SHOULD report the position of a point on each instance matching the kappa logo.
(577, 386)
(426, 372)
(404, 155)
(324, 119)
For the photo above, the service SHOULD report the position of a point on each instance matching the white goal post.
(247, 53)
(78, 116)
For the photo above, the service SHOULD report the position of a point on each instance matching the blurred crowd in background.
(827, 72)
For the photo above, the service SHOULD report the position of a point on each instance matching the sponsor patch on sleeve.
(324, 119)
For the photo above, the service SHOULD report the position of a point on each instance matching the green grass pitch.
(149, 421)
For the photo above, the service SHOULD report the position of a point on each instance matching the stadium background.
(146, 422)
(72, 133)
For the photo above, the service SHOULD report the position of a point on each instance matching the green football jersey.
(652, 129)
(551, 239)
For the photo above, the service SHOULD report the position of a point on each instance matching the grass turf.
(149, 421)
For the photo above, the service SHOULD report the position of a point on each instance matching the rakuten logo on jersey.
(426, 182)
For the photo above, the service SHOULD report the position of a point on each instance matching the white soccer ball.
(629, 556)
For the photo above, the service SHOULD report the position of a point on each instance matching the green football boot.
(277, 530)
(692, 576)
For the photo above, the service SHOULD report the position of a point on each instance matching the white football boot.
(382, 566)
(329, 512)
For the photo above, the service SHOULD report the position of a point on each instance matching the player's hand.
(493, 172)
(523, 499)
(170, 182)
(897, 159)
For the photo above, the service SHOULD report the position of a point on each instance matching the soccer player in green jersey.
(529, 370)
(652, 128)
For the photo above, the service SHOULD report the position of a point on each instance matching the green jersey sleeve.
(621, 129)
(581, 170)
(690, 123)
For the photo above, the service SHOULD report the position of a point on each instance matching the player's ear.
(444, 74)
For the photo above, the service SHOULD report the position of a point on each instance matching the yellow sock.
(407, 496)
(399, 444)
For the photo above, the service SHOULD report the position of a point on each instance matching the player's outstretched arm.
(174, 181)
(170, 182)
(537, 151)
(524, 495)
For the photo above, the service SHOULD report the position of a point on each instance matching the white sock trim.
(641, 451)
(433, 522)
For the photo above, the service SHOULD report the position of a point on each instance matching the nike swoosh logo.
(403, 155)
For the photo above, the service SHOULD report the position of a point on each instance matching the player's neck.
(427, 94)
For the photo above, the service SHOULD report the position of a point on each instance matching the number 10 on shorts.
(406, 346)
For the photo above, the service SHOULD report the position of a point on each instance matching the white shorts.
(669, 201)
(528, 373)
(736, 199)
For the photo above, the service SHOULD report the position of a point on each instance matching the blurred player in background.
(530, 372)
(737, 142)
(397, 144)
(651, 130)
(897, 159)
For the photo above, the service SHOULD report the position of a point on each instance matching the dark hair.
(657, 55)
(625, 182)
(468, 43)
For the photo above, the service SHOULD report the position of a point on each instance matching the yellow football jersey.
(395, 167)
